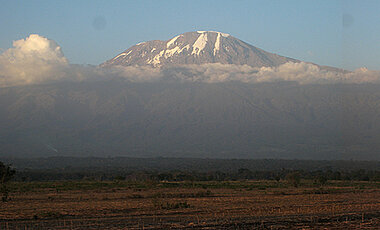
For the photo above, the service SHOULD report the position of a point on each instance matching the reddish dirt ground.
(157, 207)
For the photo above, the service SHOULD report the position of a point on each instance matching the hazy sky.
(344, 34)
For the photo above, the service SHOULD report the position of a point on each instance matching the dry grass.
(227, 207)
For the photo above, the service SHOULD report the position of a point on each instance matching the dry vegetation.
(208, 205)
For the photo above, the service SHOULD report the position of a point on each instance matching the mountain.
(163, 114)
(198, 47)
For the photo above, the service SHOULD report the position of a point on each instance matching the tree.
(320, 179)
(6, 174)
(294, 178)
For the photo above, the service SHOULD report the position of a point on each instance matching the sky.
(344, 34)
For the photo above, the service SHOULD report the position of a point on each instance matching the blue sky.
(344, 34)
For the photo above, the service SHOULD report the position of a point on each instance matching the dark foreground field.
(191, 205)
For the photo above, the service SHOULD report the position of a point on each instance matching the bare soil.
(237, 205)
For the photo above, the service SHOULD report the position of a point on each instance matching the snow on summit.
(172, 41)
(219, 33)
(217, 44)
(200, 44)
(197, 47)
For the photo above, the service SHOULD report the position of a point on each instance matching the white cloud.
(32, 60)
(38, 60)
(303, 73)
(136, 73)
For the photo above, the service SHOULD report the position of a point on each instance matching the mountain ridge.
(197, 47)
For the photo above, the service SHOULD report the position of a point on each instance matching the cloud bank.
(303, 73)
(38, 60)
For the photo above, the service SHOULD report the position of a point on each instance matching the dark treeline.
(186, 164)
(176, 175)
(188, 169)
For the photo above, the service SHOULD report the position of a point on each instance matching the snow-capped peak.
(223, 34)
(199, 44)
(197, 47)
(172, 41)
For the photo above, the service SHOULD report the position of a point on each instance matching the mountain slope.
(174, 119)
(197, 48)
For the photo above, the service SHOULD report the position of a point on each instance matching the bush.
(293, 178)
(320, 180)
(6, 174)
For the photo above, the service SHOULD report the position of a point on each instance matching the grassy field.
(206, 205)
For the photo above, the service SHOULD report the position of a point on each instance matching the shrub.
(293, 178)
(320, 180)
(6, 174)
